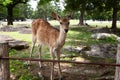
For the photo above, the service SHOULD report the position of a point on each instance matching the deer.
(53, 38)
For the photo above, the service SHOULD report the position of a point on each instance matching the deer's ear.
(55, 16)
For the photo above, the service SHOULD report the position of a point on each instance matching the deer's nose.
(66, 30)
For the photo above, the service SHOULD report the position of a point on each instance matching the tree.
(3, 13)
(44, 11)
(21, 13)
(46, 7)
(77, 5)
(10, 4)
(109, 5)
(115, 5)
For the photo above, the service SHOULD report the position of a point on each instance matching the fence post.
(117, 72)
(4, 64)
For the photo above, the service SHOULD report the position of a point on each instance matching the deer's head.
(64, 22)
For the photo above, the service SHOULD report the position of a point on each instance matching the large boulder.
(102, 50)
(13, 43)
(97, 50)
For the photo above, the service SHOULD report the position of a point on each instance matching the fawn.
(52, 37)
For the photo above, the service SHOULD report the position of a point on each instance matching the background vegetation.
(80, 10)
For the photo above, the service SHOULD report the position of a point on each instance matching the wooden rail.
(61, 61)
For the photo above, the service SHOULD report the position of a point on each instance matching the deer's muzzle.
(66, 30)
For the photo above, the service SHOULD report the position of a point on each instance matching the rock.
(6, 38)
(98, 50)
(80, 59)
(118, 39)
(14, 44)
(102, 50)
(18, 44)
(70, 48)
(102, 35)
(106, 78)
(76, 48)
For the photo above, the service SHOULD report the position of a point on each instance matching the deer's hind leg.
(40, 73)
(40, 54)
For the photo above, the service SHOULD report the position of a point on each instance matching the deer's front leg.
(58, 52)
(52, 64)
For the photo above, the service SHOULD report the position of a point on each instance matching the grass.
(102, 23)
(76, 36)
(17, 35)
(82, 35)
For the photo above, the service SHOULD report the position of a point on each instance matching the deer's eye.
(61, 23)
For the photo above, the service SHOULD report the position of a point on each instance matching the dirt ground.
(76, 72)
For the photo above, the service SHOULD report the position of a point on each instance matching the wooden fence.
(5, 69)
(4, 64)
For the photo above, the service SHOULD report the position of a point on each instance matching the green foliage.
(20, 68)
(44, 10)
(3, 13)
(6, 2)
(10, 4)
(21, 13)
(111, 39)
(42, 2)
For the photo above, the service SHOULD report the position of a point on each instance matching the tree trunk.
(114, 18)
(81, 18)
(10, 15)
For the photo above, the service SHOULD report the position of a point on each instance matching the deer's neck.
(62, 37)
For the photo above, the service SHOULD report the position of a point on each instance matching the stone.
(102, 35)
(6, 38)
(14, 44)
(18, 44)
(80, 59)
(97, 50)
(102, 51)
(77, 49)
(118, 39)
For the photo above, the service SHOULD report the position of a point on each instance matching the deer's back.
(46, 34)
